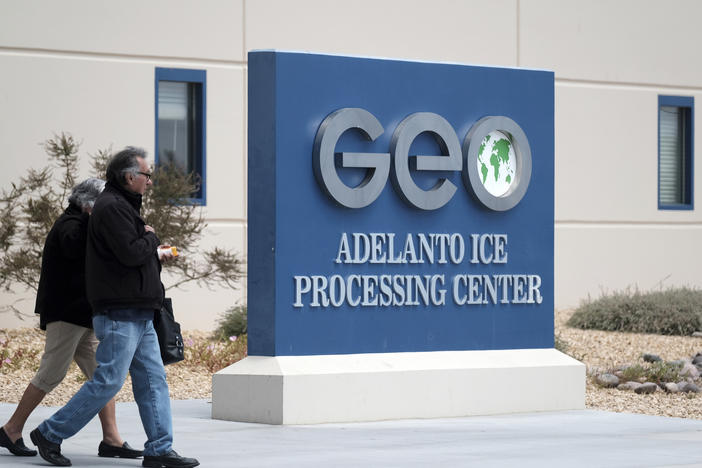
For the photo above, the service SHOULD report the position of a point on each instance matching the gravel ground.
(601, 350)
(185, 381)
(597, 349)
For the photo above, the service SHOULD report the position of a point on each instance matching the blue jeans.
(124, 346)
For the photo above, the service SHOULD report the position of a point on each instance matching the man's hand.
(148, 228)
(166, 253)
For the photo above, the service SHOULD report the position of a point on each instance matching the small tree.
(29, 209)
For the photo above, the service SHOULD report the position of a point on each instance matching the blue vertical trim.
(262, 208)
(687, 103)
(189, 76)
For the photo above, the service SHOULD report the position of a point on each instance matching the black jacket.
(122, 267)
(61, 292)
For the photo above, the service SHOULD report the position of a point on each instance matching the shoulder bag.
(168, 330)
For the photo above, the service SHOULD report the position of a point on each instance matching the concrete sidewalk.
(564, 439)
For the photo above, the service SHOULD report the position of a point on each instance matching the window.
(675, 161)
(180, 122)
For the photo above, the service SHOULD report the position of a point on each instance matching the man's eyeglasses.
(145, 174)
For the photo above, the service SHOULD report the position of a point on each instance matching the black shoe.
(49, 451)
(17, 447)
(169, 460)
(125, 451)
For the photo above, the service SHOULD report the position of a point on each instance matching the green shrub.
(233, 323)
(657, 372)
(676, 311)
(213, 355)
(15, 356)
(664, 372)
(634, 373)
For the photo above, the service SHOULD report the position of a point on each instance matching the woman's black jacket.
(61, 291)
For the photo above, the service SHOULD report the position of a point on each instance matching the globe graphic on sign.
(497, 163)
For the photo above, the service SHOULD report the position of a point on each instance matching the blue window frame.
(675, 152)
(180, 122)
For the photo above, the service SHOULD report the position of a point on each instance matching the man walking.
(124, 289)
(65, 314)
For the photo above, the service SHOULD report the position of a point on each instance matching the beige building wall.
(88, 68)
(612, 60)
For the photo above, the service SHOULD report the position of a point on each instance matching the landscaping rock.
(679, 362)
(671, 387)
(631, 385)
(697, 334)
(651, 357)
(646, 388)
(607, 380)
(697, 359)
(688, 370)
(689, 387)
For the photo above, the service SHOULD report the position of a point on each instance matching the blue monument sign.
(398, 206)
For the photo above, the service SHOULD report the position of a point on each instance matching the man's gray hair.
(124, 162)
(85, 193)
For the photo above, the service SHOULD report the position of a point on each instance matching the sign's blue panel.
(398, 206)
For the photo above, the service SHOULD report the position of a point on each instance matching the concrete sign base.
(371, 387)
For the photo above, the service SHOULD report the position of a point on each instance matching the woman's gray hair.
(124, 162)
(85, 193)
